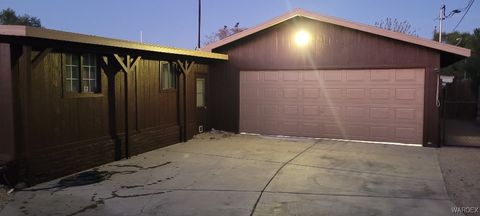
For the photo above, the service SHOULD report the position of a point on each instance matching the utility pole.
(199, 21)
(441, 18)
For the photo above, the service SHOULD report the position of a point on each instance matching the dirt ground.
(460, 168)
(4, 197)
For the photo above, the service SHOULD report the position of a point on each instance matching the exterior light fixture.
(302, 38)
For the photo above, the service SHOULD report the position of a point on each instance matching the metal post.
(199, 21)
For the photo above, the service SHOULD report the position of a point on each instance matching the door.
(201, 102)
(372, 105)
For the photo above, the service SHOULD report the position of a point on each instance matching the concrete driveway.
(223, 174)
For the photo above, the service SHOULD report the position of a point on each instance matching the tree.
(470, 67)
(222, 33)
(9, 17)
(396, 26)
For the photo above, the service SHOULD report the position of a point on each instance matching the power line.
(466, 11)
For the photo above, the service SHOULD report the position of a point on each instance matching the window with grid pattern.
(72, 73)
(81, 73)
(89, 73)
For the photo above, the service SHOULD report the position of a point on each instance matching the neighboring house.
(70, 101)
(303, 74)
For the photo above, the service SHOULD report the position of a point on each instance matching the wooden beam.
(122, 64)
(40, 57)
(181, 66)
(186, 68)
(190, 67)
(104, 63)
(135, 62)
(129, 62)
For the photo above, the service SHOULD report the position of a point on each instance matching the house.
(71, 101)
(304, 74)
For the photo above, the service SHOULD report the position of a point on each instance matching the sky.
(174, 22)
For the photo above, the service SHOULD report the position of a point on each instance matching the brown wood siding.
(6, 105)
(58, 135)
(332, 47)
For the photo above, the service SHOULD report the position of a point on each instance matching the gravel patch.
(460, 169)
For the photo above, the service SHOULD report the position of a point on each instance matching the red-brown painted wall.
(332, 47)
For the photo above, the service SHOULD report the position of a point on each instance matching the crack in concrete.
(160, 165)
(275, 174)
(88, 207)
(115, 195)
(131, 186)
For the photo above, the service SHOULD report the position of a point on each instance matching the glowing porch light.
(302, 38)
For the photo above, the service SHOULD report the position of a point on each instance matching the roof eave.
(344, 23)
(32, 32)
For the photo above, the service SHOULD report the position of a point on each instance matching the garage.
(309, 75)
(376, 105)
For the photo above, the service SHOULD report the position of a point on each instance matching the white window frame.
(87, 71)
(168, 80)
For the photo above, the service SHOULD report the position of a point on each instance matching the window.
(167, 78)
(71, 73)
(200, 92)
(89, 73)
(81, 73)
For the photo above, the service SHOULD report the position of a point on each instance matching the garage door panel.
(381, 75)
(291, 76)
(333, 76)
(290, 110)
(357, 75)
(291, 127)
(290, 92)
(384, 105)
(338, 129)
(252, 76)
(355, 93)
(347, 115)
(412, 76)
(310, 76)
(271, 76)
(380, 93)
(311, 128)
(357, 113)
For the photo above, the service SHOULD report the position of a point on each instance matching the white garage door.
(376, 105)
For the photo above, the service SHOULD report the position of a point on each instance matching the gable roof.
(42, 33)
(344, 23)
